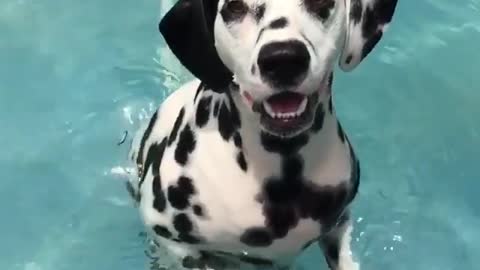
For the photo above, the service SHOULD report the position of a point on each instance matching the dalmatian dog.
(247, 165)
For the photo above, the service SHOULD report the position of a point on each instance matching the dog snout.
(283, 63)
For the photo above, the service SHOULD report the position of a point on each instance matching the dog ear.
(188, 31)
(367, 20)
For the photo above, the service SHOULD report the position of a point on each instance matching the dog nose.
(283, 63)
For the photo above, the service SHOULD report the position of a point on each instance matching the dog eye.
(237, 7)
(320, 8)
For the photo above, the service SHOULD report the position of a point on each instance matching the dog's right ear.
(367, 20)
(188, 31)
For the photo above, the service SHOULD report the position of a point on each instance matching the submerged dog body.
(249, 165)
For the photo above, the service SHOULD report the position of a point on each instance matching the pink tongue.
(285, 103)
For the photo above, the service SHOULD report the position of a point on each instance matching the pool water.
(75, 75)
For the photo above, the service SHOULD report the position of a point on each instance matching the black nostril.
(283, 62)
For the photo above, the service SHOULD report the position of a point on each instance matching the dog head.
(280, 53)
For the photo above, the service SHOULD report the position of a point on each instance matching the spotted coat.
(211, 185)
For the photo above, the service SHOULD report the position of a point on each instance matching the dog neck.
(265, 150)
(322, 152)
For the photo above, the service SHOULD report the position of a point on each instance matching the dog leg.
(336, 248)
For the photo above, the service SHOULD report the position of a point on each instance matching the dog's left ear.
(188, 31)
(367, 20)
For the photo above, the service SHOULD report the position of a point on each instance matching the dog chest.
(212, 203)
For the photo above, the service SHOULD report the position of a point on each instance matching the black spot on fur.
(349, 59)
(319, 118)
(233, 11)
(292, 168)
(289, 186)
(320, 9)
(259, 12)
(234, 114)
(228, 120)
(189, 239)
(216, 108)
(162, 231)
(282, 194)
(225, 125)
(234, 87)
(323, 204)
(182, 223)
(370, 44)
(370, 23)
(179, 195)
(176, 126)
(237, 139)
(258, 39)
(279, 191)
(203, 111)
(354, 178)
(256, 237)
(189, 262)
(145, 136)
(374, 17)
(280, 219)
(198, 210)
(356, 11)
(159, 200)
(382, 11)
(332, 252)
(154, 159)
(184, 227)
(199, 90)
(279, 23)
(330, 105)
(281, 145)
(256, 260)
(289, 197)
(185, 145)
(340, 132)
(241, 161)
(157, 156)
(330, 80)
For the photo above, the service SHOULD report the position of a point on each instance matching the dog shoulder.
(175, 108)
(182, 98)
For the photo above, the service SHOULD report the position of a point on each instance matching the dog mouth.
(287, 113)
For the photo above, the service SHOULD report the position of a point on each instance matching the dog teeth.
(269, 110)
(301, 109)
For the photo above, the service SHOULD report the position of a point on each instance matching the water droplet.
(397, 238)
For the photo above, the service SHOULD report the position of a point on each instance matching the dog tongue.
(285, 102)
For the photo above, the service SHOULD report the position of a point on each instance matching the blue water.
(74, 75)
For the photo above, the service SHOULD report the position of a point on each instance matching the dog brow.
(278, 23)
(275, 24)
(259, 11)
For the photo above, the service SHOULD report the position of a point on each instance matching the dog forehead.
(270, 5)
(266, 10)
